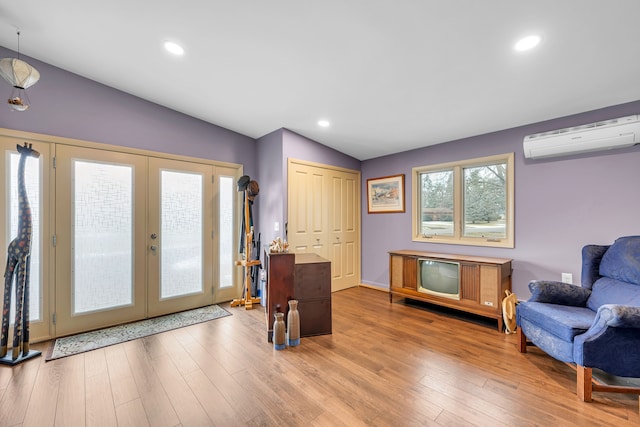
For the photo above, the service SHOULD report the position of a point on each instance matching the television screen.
(440, 278)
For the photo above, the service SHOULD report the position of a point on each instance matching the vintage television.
(439, 278)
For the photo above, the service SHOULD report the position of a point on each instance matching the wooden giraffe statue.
(18, 262)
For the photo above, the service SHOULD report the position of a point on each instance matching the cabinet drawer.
(312, 281)
(315, 316)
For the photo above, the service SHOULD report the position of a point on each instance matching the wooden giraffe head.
(27, 150)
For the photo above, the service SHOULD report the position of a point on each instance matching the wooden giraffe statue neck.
(24, 208)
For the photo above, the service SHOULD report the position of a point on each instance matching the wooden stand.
(483, 281)
(247, 262)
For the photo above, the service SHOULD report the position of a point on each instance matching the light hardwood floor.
(384, 365)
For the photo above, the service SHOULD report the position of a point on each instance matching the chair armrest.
(617, 316)
(553, 292)
(612, 316)
(611, 343)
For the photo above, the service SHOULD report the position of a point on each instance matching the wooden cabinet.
(280, 268)
(303, 277)
(482, 281)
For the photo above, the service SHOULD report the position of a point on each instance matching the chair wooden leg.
(584, 383)
(522, 341)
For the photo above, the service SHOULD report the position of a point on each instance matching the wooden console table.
(304, 277)
(483, 282)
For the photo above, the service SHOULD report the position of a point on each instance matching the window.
(227, 186)
(467, 203)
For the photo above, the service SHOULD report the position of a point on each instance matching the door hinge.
(54, 162)
(53, 318)
(212, 235)
(54, 240)
(213, 179)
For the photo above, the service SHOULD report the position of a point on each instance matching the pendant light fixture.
(20, 75)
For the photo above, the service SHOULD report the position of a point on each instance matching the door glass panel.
(32, 185)
(227, 263)
(181, 254)
(102, 236)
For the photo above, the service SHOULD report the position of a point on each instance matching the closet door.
(309, 210)
(324, 217)
(343, 235)
(101, 242)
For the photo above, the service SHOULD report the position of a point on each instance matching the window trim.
(458, 202)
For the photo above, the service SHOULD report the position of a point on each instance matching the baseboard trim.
(375, 288)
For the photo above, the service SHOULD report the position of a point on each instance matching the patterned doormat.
(80, 343)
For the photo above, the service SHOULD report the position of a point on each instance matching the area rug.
(80, 343)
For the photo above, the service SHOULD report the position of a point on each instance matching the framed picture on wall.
(385, 194)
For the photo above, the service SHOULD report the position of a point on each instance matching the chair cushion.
(612, 291)
(622, 260)
(563, 321)
(547, 342)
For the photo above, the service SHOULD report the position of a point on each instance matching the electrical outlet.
(567, 278)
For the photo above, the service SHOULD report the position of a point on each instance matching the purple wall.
(67, 105)
(270, 202)
(561, 204)
(273, 153)
(298, 147)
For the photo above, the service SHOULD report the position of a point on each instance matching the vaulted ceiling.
(389, 76)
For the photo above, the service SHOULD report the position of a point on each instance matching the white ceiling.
(390, 75)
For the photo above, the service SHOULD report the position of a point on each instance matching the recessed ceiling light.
(324, 123)
(527, 43)
(174, 48)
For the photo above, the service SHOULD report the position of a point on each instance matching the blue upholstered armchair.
(596, 325)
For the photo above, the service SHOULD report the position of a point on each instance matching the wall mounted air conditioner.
(605, 135)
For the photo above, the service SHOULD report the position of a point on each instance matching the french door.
(100, 238)
(179, 236)
(145, 236)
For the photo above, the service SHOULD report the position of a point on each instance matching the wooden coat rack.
(247, 262)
